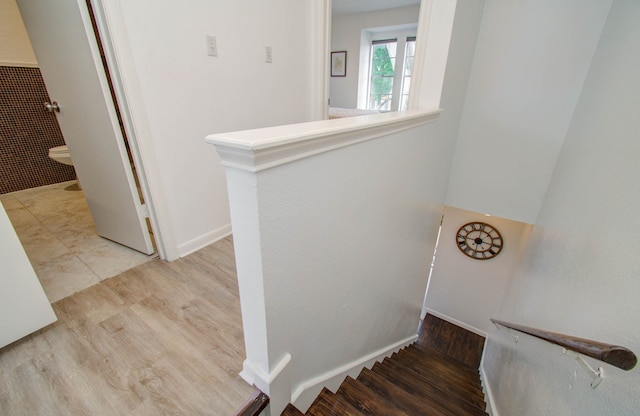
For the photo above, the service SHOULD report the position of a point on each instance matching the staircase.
(436, 376)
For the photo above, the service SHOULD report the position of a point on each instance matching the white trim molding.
(204, 240)
(276, 383)
(114, 37)
(253, 374)
(488, 392)
(305, 392)
(260, 149)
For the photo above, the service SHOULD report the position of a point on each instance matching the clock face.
(479, 241)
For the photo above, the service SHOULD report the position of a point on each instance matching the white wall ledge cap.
(259, 149)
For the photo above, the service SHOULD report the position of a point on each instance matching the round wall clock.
(479, 240)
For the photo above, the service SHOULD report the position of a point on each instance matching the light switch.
(212, 47)
(268, 55)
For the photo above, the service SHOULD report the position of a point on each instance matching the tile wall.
(27, 132)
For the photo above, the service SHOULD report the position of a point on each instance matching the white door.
(24, 307)
(69, 59)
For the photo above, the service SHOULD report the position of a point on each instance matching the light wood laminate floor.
(160, 339)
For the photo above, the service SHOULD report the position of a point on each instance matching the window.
(389, 88)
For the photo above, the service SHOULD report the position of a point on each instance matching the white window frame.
(368, 37)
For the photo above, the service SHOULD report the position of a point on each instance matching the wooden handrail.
(256, 404)
(615, 355)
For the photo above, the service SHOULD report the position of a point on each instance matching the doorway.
(59, 235)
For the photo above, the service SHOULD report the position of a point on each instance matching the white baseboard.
(204, 240)
(456, 322)
(488, 392)
(304, 394)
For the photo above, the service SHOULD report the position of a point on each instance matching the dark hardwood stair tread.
(472, 396)
(291, 410)
(453, 377)
(366, 400)
(436, 365)
(413, 383)
(452, 340)
(402, 399)
(328, 404)
(435, 354)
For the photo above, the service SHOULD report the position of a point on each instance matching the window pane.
(383, 64)
(404, 102)
(406, 85)
(408, 66)
(410, 49)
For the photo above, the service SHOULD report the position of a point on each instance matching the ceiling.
(341, 7)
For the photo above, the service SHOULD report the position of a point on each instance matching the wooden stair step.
(366, 400)
(430, 356)
(396, 395)
(328, 404)
(419, 363)
(291, 410)
(440, 365)
(472, 396)
(411, 382)
(452, 340)
(432, 352)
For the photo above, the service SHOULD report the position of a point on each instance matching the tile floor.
(56, 230)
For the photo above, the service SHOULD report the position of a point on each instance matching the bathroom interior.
(39, 188)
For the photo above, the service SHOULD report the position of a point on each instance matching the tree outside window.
(382, 74)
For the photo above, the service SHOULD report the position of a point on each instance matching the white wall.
(186, 94)
(466, 291)
(580, 271)
(15, 48)
(345, 36)
(530, 64)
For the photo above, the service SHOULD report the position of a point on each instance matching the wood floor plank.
(448, 372)
(396, 395)
(413, 383)
(162, 338)
(329, 404)
(99, 302)
(366, 400)
(291, 410)
(437, 380)
(452, 340)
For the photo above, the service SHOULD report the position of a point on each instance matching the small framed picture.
(339, 64)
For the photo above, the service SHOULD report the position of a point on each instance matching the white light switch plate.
(212, 47)
(268, 55)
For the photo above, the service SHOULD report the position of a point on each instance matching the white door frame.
(321, 61)
(113, 35)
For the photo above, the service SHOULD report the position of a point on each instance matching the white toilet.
(61, 154)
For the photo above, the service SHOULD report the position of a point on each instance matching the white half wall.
(330, 246)
(184, 94)
(15, 48)
(530, 64)
(580, 274)
(466, 291)
(333, 248)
